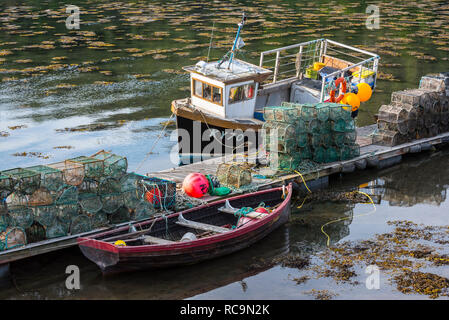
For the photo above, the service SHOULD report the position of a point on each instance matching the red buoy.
(195, 185)
(261, 210)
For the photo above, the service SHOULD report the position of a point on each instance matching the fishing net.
(51, 178)
(57, 229)
(67, 195)
(120, 216)
(93, 168)
(111, 202)
(99, 219)
(132, 190)
(40, 197)
(25, 181)
(21, 216)
(323, 111)
(80, 224)
(114, 165)
(234, 174)
(12, 238)
(144, 210)
(45, 215)
(90, 202)
(336, 112)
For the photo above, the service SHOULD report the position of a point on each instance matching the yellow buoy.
(351, 99)
(120, 243)
(364, 91)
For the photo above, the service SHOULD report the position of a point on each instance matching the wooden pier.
(371, 155)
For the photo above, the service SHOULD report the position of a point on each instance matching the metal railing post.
(298, 69)
(276, 67)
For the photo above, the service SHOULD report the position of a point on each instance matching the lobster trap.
(25, 181)
(281, 114)
(51, 178)
(80, 224)
(93, 168)
(12, 238)
(73, 172)
(159, 192)
(114, 165)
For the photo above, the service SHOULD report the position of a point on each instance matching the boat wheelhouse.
(228, 96)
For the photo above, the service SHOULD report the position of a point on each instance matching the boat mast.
(234, 47)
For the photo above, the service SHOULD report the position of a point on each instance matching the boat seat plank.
(154, 240)
(201, 226)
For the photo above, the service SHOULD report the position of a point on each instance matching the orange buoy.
(195, 185)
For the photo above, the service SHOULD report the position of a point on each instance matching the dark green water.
(109, 86)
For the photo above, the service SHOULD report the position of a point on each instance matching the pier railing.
(292, 62)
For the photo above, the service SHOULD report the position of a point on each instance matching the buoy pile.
(322, 132)
(75, 196)
(415, 113)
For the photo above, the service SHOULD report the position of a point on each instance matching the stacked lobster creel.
(415, 113)
(294, 133)
(75, 196)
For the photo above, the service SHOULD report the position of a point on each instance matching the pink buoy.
(195, 185)
(261, 210)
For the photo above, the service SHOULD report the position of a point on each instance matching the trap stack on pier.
(415, 113)
(296, 133)
(75, 196)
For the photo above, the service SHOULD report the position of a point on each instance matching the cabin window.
(207, 92)
(241, 93)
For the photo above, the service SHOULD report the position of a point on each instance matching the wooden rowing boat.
(190, 236)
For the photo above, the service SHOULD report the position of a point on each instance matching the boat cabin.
(226, 90)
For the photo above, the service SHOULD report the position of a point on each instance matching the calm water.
(109, 85)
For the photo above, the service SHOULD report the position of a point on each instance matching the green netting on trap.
(323, 111)
(281, 114)
(159, 192)
(21, 216)
(313, 126)
(51, 178)
(349, 151)
(6, 185)
(332, 154)
(303, 139)
(67, 195)
(324, 127)
(5, 222)
(12, 238)
(25, 181)
(131, 199)
(284, 162)
(17, 200)
(99, 219)
(67, 212)
(233, 174)
(120, 216)
(80, 224)
(45, 215)
(109, 185)
(73, 172)
(111, 202)
(89, 186)
(339, 139)
(279, 136)
(319, 154)
(57, 229)
(90, 202)
(114, 165)
(308, 112)
(93, 168)
(132, 189)
(337, 111)
(144, 210)
(342, 125)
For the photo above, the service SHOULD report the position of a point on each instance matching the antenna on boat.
(210, 44)
(238, 43)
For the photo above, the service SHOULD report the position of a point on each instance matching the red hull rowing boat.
(212, 231)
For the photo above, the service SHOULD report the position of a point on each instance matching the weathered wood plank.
(201, 226)
(154, 240)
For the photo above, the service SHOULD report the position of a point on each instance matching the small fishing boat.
(225, 109)
(197, 234)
